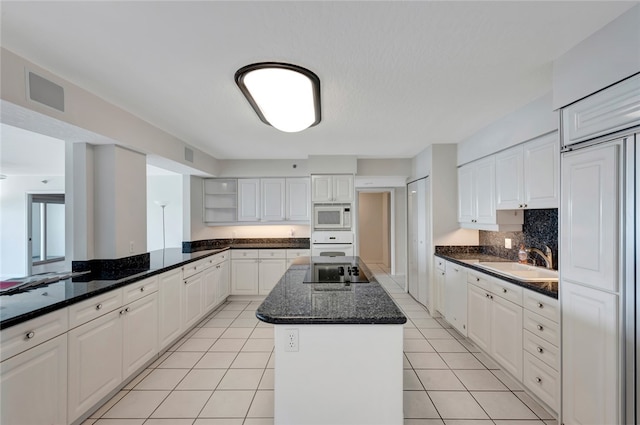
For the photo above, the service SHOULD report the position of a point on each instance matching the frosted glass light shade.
(284, 96)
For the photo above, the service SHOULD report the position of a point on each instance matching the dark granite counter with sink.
(298, 299)
(247, 243)
(467, 256)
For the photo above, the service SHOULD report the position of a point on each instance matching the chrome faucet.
(546, 256)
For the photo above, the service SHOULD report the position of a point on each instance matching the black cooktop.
(335, 270)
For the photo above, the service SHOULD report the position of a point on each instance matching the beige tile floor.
(221, 373)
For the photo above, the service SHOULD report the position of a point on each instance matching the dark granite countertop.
(292, 301)
(19, 307)
(467, 259)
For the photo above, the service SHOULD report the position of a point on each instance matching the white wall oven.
(332, 217)
(332, 244)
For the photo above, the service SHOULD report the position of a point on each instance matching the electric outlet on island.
(507, 243)
(291, 340)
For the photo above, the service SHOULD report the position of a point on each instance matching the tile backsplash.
(540, 228)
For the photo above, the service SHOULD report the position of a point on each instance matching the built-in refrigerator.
(598, 279)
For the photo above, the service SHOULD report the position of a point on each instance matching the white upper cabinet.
(272, 194)
(332, 188)
(249, 200)
(527, 175)
(257, 200)
(606, 112)
(476, 199)
(298, 199)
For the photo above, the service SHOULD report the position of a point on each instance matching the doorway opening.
(46, 232)
(375, 230)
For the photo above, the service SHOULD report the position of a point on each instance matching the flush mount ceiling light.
(284, 96)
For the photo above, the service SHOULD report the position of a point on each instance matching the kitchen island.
(338, 345)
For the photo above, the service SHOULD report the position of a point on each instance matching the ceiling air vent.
(44, 91)
(188, 154)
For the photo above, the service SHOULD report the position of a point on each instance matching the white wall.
(530, 121)
(55, 230)
(87, 111)
(120, 192)
(264, 168)
(384, 167)
(13, 218)
(333, 164)
(606, 57)
(169, 189)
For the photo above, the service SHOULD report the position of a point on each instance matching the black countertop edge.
(316, 321)
(157, 260)
(462, 262)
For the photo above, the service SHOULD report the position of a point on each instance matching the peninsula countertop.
(292, 301)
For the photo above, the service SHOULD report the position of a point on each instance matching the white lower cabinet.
(456, 296)
(95, 362)
(193, 302)
(140, 333)
(244, 276)
(495, 325)
(169, 307)
(506, 335)
(34, 385)
(256, 272)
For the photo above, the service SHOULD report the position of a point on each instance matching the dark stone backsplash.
(540, 228)
(206, 244)
(113, 268)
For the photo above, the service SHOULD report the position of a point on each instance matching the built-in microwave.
(332, 217)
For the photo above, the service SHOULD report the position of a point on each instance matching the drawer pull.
(142, 289)
(538, 379)
(540, 350)
(540, 305)
(540, 327)
(99, 307)
(126, 310)
(30, 334)
(504, 290)
(121, 312)
(477, 279)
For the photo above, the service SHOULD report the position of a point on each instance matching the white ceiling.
(395, 76)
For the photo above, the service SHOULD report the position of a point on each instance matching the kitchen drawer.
(440, 264)
(507, 290)
(542, 349)
(93, 308)
(295, 253)
(21, 337)
(542, 305)
(137, 290)
(194, 267)
(272, 253)
(244, 253)
(221, 257)
(542, 327)
(479, 279)
(542, 380)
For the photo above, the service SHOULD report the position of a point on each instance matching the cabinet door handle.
(121, 312)
(525, 205)
(30, 334)
(490, 296)
(99, 307)
(540, 350)
(538, 379)
(477, 279)
(504, 290)
(486, 295)
(142, 289)
(126, 310)
(540, 305)
(540, 327)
